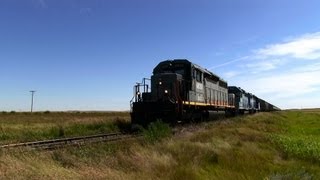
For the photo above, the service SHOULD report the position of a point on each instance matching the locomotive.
(183, 91)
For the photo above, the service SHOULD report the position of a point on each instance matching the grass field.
(20, 127)
(278, 145)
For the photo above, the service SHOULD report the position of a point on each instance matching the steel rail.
(56, 143)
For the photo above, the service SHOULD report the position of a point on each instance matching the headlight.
(166, 91)
(160, 82)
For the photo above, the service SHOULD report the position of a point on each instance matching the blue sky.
(87, 55)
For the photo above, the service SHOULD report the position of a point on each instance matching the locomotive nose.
(163, 86)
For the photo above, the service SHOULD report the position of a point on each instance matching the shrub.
(123, 125)
(156, 131)
(63, 159)
(54, 132)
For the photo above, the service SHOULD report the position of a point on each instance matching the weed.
(65, 161)
(56, 132)
(123, 125)
(156, 131)
(301, 174)
(46, 112)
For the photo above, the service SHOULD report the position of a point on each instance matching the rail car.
(265, 106)
(183, 91)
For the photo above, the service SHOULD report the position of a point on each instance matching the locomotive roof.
(235, 88)
(170, 62)
(185, 61)
(206, 71)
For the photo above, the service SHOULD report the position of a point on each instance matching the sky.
(87, 55)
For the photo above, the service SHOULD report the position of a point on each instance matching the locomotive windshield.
(180, 71)
(171, 68)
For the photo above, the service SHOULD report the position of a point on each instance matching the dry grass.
(19, 127)
(237, 148)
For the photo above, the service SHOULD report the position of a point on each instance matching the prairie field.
(276, 145)
(20, 127)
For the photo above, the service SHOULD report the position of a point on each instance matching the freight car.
(265, 106)
(182, 91)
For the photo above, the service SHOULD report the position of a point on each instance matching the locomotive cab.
(165, 99)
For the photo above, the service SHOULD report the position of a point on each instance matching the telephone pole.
(32, 94)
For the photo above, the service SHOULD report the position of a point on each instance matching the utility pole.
(32, 94)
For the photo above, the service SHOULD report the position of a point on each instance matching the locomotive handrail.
(137, 92)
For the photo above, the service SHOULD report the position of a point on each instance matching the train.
(180, 90)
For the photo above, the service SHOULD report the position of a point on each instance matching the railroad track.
(58, 143)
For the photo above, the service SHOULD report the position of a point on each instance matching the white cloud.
(264, 65)
(287, 74)
(289, 89)
(304, 47)
(309, 68)
(301, 102)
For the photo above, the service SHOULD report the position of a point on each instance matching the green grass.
(21, 127)
(300, 137)
(301, 147)
(156, 131)
(278, 145)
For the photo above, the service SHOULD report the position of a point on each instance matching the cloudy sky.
(286, 72)
(87, 55)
